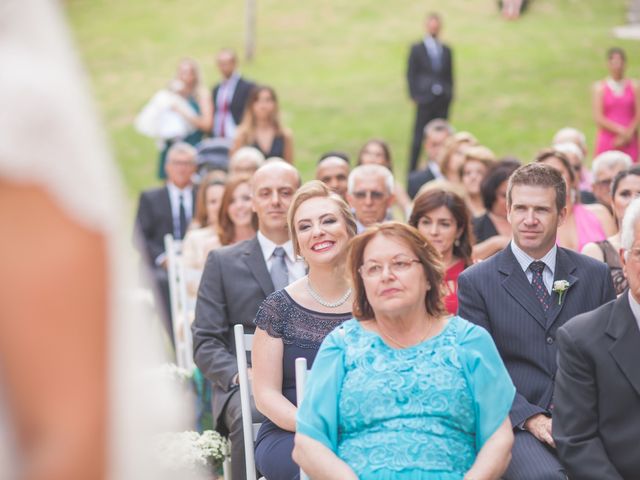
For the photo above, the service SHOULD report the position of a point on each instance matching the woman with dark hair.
(492, 230)
(616, 108)
(236, 220)
(404, 390)
(261, 127)
(624, 188)
(443, 218)
(377, 152)
(582, 223)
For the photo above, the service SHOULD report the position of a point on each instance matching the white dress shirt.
(295, 267)
(549, 261)
(225, 93)
(187, 202)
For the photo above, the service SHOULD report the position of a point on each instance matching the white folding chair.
(244, 344)
(181, 309)
(301, 380)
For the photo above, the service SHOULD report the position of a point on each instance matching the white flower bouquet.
(191, 452)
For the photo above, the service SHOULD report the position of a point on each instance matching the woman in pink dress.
(616, 107)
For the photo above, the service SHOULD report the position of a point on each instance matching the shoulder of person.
(234, 251)
(588, 324)
(597, 86)
(584, 261)
(483, 267)
(287, 133)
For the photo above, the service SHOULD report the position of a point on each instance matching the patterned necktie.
(279, 271)
(537, 282)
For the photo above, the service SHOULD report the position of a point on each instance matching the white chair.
(301, 380)
(244, 344)
(181, 308)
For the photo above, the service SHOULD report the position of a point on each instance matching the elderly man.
(521, 296)
(370, 194)
(435, 134)
(605, 166)
(333, 170)
(166, 210)
(229, 96)
(597, 395)
(235, 281)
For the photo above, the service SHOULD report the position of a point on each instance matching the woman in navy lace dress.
(293, 322)
(405, 392)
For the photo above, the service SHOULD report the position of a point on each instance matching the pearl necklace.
(316, 296)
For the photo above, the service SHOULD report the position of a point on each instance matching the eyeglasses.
(375, 195)
(397, 266)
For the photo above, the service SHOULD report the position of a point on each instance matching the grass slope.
(339, 65)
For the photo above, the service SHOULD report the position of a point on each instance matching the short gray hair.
(182, 147)
(572, 135)
(251, 154)
(368, 171)
(437, 125)
(629, 222)
(570, 148)
(610, 159)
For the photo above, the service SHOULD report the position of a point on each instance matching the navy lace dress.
(302, 331)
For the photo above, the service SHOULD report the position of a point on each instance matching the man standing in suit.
(235, 281)
(229, 96)
(430, 79)
(166, 210)
(435, 134)
(522, 295)
(596, 422)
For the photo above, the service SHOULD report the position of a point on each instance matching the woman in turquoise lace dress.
(404, 391)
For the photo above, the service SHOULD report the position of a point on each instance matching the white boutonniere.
(561, 287)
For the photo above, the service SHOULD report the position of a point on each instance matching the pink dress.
(620, 109)
(588, 227)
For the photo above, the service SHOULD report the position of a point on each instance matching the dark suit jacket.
(596, 421)
(234, 284)
(416, 179)
(421, 75)
(497, 295)
(153, 221)
(239, 100)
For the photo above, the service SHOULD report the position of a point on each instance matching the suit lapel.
(257, 266)
(563, 271)
(624, 329)
(517, 285)
(165, 206)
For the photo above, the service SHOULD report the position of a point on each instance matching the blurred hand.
(540, 427)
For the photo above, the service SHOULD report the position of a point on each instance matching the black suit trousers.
(425, 112)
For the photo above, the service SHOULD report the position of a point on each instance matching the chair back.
(301, 380)
(244, 344)
(182, 311)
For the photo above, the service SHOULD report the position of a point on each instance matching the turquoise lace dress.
(422, 412)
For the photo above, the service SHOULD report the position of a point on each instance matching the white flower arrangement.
(173, 372)
(190, 451)
(560, 287)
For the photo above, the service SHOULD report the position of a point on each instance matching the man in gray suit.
(522, 295)
(235, 281)
(597, 417)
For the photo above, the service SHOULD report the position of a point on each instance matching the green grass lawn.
(339, 65)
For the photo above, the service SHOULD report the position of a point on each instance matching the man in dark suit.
(435, 134)
(229, 96)
(596, 422)
(522, 295)
(430, 79)
(235, 281)
(166, 210)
